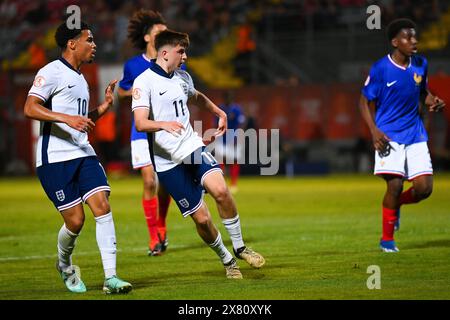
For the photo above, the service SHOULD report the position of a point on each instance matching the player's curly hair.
(64, 33)
(397, 25)
(140, 23)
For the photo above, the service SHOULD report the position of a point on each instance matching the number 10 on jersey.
(82, 106)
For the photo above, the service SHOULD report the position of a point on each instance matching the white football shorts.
(409, 161)
(140, 154)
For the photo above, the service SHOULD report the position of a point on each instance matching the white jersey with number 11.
(166, 98)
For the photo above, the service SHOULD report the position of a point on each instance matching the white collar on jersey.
(397, 65)
(145, 57)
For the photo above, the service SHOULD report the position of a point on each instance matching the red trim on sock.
(151, 213)
(407, 197)
(389, 218)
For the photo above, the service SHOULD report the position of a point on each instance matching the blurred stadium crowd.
(295, 65)
(27, 27)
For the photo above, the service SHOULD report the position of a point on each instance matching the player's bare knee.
(396, 192)
(150, 185)
(75, 224)
(395, 188)
(105, 207)
(424, 192)
(102, 207)
(222, 195)
(202, 220)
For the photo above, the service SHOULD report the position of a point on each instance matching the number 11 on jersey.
(175, 103)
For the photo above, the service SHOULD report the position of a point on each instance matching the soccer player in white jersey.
(161, 96)
(67, 166)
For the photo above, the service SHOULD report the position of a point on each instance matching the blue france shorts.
(68, 183)
(185, 181)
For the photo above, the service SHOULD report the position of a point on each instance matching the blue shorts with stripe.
(185, 181)
(68, 183)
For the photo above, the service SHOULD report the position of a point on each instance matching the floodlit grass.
(318, 234)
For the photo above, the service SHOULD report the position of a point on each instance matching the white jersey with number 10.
(64, 90)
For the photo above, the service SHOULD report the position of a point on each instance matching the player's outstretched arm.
(380, 140)
(434, 103)
(34, 109)
(144, 124)
(109, 100)
(202, 101)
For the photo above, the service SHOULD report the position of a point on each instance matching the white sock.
(221, 250)
(233, 227)
(66, 243)
(106, 240)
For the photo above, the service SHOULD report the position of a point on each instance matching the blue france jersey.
(396, 91)
(132, 69)
(235, 117)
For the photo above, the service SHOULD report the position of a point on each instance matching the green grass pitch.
(318, 234)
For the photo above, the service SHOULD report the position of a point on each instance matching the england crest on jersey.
(60, 195)
(184, 203)
(185, 88)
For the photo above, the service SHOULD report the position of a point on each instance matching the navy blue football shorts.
(71, 182)
(185, 181)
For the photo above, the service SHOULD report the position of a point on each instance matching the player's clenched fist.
(435, 104)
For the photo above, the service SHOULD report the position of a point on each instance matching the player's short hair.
(172, 38)
(64, 33)
(140, 23)
(397, 25)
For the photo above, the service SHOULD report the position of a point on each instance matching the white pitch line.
(81, 253)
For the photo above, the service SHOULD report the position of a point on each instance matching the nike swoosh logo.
(161, 93)
(70, 87)
(391, 83)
